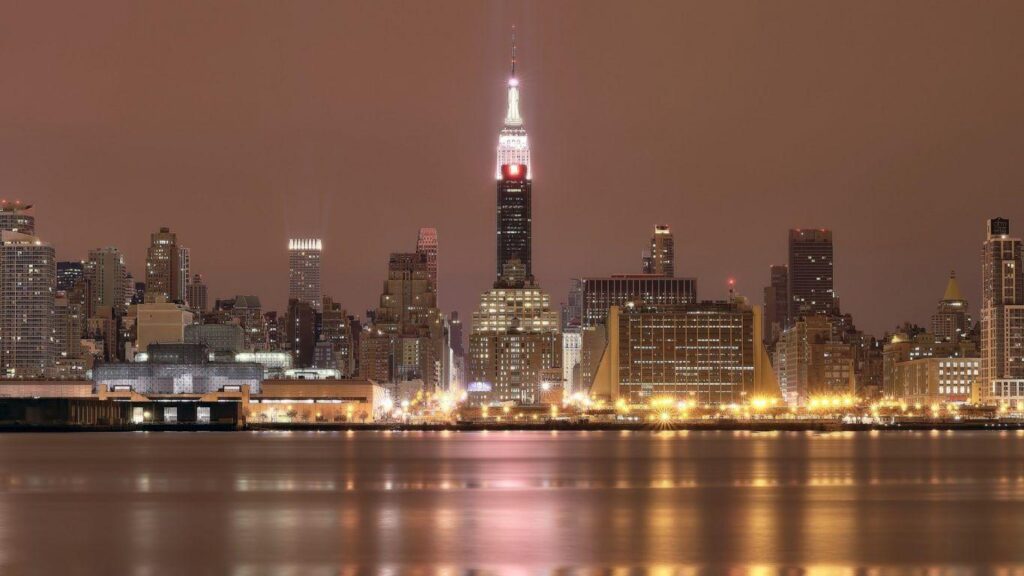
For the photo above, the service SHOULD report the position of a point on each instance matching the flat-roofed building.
(160, 323)
(708, 352)
(46, 388)
(155, 378)
(331, 400)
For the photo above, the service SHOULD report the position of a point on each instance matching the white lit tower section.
(513, 146)
(304, 271)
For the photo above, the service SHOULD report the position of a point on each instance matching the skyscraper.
(1002, 313)
(515, 191)
(106, 272)
(409, 320)
(15, 217)
(661, 258)
(163, 266)
(811, 289)
(426, 243)
(304, 271)
(951, 321)
(197, 294)
(776, 303)
(28, 276)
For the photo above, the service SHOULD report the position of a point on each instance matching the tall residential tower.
(304, 271)
(1002, 314)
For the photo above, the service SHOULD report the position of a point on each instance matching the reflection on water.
(607, 502)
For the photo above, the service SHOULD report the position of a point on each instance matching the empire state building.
(515, 348)
(514, 261)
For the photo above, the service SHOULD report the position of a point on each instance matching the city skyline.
(364, 214)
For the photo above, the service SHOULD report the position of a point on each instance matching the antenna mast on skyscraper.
(513, 50)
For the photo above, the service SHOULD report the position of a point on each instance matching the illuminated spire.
(512, 118)
(513, 147)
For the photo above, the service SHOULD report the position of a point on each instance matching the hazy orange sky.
(238, 124)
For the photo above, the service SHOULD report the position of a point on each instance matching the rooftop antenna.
(513, 51)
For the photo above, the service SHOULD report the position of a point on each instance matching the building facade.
(600, 294)
(811, 359)
(106, 272)
(931, 380)
(706, 353)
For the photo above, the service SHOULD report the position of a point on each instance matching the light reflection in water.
(670, 502)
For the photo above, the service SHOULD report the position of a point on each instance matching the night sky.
(238, 124)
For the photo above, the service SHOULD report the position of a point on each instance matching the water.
(328, 503)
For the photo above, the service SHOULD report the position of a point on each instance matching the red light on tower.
(513, 171)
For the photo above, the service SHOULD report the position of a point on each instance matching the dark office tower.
(273, 324)
(426, 243)
(776, 303)
(139, 293)
(455, 334)
(68, 274)
(301, 332)
(515, 226)
(811, 289)
(662, 257)
(15, 217)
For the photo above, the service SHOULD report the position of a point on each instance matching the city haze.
(241, 124)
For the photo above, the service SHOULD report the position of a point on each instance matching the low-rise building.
(336, 400)
(931, 380)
